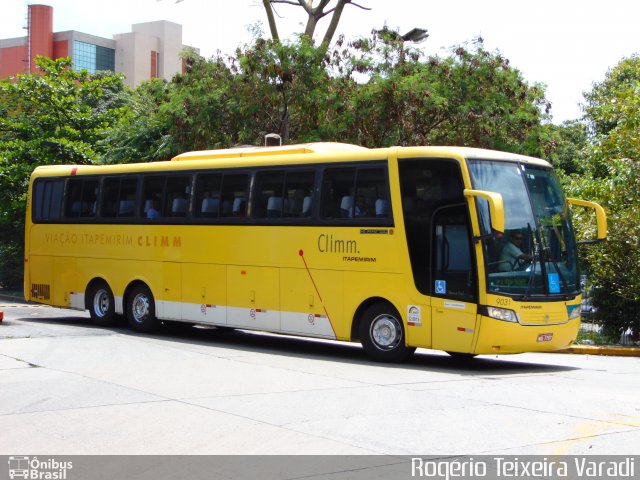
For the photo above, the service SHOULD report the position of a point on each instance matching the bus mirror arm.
(601, 219)
(496, 207)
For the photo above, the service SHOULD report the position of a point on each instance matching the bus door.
(453, 280)
(437, 228)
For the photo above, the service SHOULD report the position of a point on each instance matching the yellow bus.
(397, 248)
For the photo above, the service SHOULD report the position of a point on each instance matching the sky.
(565, 44)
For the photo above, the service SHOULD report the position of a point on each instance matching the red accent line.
(74, 171)
(311, 277)
(301, 253)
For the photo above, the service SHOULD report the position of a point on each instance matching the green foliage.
(374, 92)
(141, 134)
(612, 178)
(612, 111)
(58, 116)
(472, 97)
(567, 146)
(615, 263)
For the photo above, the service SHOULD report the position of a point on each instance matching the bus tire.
(141, 309)
(382, 334)
(100, 302)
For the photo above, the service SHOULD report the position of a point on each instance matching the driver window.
(514, 254)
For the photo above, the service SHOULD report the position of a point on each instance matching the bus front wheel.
(101, 305)
(382, 334)
(141, 309)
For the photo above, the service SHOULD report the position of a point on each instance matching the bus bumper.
(497, 337)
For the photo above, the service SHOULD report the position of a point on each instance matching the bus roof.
(286, 155)
(317, 147)
(334, 147)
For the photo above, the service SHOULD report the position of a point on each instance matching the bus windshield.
(536, 256)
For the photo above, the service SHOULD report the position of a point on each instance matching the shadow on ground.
(325, 350)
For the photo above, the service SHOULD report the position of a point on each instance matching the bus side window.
(372, 193)
(127, 197)
(235, 187)
(73, 199)
(207, 196)
(298, 192)
(355, 193)
(90, 193)
(82, 197)
(119, 197)
(47, 199)
(177, 196)
(239, 208)
(337, 192)
(307, 206)
(111, 187)
(152, 194)
(268, 199)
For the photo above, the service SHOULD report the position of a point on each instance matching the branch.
(290, 2)
(335, 19)
(306, 6)
(359, 6)
(272, 21)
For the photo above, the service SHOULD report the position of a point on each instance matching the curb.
(605, 350)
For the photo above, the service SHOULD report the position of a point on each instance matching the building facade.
(150, 50)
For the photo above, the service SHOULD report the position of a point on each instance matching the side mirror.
(496, 207)
(601, 218)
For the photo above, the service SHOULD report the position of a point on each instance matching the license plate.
(545, 337)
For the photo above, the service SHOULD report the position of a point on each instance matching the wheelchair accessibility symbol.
(441, 287)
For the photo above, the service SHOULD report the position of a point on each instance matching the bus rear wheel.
(99, 300)
(382, 334)
(141, 309)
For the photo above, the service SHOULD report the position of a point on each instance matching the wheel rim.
(140, 307)
(386, 332)
(101, 303)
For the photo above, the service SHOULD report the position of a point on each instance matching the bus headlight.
(574, 311)
(502, 314)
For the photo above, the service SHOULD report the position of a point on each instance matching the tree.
(612, 178)
(612, 112)
(54, 117)
(567, 146)
(471, 97)
(374, 92)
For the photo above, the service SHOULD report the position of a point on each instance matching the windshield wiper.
(532, 273)
(552, 260)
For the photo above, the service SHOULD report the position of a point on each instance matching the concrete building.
(150, 50)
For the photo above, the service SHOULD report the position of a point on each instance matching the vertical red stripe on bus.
(301, 253)
(74, 171)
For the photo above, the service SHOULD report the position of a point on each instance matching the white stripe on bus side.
(310, 324)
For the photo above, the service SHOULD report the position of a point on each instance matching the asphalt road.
(67, 387)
